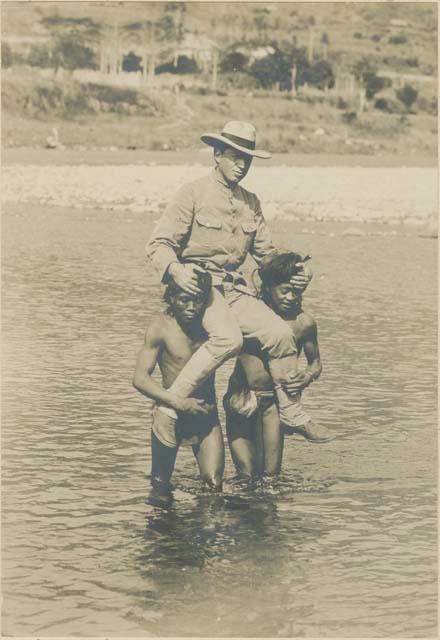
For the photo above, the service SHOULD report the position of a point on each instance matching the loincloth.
(246, 402)
(186, 430)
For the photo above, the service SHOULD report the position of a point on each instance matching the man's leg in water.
(272, 438)
(242, 439)
(163, 459)
(210, 456)
(164, 448)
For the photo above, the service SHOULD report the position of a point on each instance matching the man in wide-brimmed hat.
(213, 224)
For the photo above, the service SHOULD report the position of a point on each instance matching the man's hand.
(301, 280)
(297, 382)
(185, 276)
(192, 406)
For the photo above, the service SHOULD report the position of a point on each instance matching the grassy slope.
(283, 125)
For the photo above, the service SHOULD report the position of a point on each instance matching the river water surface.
(344, 545)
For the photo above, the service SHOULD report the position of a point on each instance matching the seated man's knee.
(283, 337)
(228, 345)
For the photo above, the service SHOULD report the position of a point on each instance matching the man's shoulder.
(159, 326)
(306, 321)
(250, 196)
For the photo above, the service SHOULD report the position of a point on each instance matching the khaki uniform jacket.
(213, 225)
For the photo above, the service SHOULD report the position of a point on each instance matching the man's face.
(187, 308)
(283, 297)
(233, 164)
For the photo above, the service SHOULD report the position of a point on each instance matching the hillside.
(351, 41)
(353, 29)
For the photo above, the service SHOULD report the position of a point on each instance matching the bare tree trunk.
(214, 70)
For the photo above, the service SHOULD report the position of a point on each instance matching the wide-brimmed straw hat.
(238, 135)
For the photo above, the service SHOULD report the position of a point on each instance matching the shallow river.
(344, 545)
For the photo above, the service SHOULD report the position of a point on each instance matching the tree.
(407, 95)
(234, 61)
(320, 74)
(166, 27)
(272, 69)
(131, 62)
(71, 54)
(373, 84)
(365, 71)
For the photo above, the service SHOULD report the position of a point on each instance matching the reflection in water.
(344, 544)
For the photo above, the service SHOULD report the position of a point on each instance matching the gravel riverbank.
(391, 195)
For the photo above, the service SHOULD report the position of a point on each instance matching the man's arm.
(263, 247)
(311, 351)
(168, 238)
(302, 379)
(145, 383)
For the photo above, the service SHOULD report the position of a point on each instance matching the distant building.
(255, 53)
(196, 47)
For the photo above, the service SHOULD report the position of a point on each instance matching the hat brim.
(213, 140)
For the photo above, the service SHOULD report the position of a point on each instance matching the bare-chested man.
(254, 429)
(170, 341)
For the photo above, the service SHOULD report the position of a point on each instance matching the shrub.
(376, 37)
(40, 56)
(112, 95)
(349, 116)
(412, 62)
(407, 95)
(10, 57)
(7, 57)
(400, 38)
(385, 104)
(75, 104)
(49, 97)
(357, 35)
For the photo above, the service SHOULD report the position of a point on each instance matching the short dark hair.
(277, 268)
(204, 282)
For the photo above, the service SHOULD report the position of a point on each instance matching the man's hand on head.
(302, 279)
(185, 276)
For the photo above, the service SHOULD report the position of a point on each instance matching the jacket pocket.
(207, 222)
